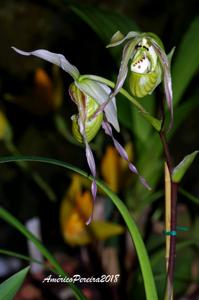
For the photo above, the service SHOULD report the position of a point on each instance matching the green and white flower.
(89, 95)
(146, 63)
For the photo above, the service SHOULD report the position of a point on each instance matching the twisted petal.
(100, 92)
(91, 164)
(167, 77)
(118, 38)
(127, 54)
(54, 58)
(108, 130)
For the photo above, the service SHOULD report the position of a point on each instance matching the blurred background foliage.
(35, 111)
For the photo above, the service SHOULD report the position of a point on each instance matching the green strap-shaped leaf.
(189, 196)
(180, 170)
(104, 23)
(186, 61)
(10, 219)
(143, 258)
(10, 287)
(20, 256)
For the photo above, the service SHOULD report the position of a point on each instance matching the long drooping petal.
(91, 162)
(108, 130)
(167, 77)
(100, 92)
(54, 58)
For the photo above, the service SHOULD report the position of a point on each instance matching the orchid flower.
(88, 95)
(146, 63)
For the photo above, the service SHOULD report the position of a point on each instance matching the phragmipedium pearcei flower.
(89, 95)
(146, 64)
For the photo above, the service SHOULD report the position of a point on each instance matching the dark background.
(52, 25)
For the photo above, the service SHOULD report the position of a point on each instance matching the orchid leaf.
(10, 287)
(104, 23)
(153, 121)
(20, 256)
(189, 196)
(183, 166)
(10, 219)
(186, 62)
(125, 109)
(184, 110)
(148, 279)
(142, 128)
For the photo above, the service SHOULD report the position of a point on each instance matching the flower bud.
(87, 106)
(145, 69)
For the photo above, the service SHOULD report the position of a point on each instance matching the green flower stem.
(148, 278)
(153, 121)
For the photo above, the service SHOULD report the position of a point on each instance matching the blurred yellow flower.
(49, 92)
(110, 168)
(114, 169)
(46, 94)
(76, 207)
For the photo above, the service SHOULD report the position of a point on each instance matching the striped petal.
(100, 92)
(167, 78)
(54, 58)
(128, 52)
